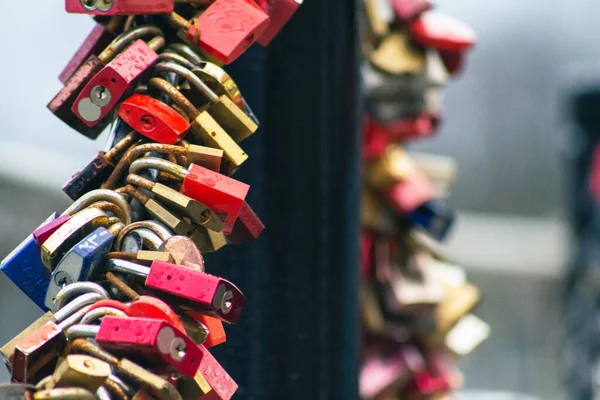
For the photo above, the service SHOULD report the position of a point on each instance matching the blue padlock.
(80, 263)
(24, 267)
(435, 217)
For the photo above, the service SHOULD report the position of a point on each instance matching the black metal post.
(298, 337)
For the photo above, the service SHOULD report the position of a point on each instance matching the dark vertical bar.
(298, 338)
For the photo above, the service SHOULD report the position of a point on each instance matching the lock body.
(36, 356)
(247, 227)
(152, 341)
(119, 7)
(153, 119)
(61, 105)
(228, 28)
(224, 195)
(104, 90)
(24, 265)
(81, 263)
(196, 291)
(205, 129)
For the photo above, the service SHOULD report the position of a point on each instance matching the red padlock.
(408, 9)
(151, 341)
(223, 387)
(222, 194)
(280, 12)
(247, 227)
(93, 44)
(105, 89)
(225, 29)
(153, 119)
(196, 291)
(119, 7)
(384, 371)
(442, 32)
(189, 289)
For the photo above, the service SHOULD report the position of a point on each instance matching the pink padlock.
(280, 12)
(105, 89)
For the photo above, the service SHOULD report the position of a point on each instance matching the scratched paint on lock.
(121, 7)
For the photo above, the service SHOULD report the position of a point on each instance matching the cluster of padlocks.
(416, 305)
(130, 310)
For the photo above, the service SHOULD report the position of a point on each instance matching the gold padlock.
(396, 55)
(78, 370)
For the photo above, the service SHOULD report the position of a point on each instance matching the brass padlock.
(80, 371)
(396, 55)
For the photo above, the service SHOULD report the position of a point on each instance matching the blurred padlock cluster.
(417, 306)
(131, 309)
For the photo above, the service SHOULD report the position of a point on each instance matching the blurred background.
(504, 124)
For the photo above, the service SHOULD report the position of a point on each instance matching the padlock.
(396, 55)
(247, 227)
(63, 394)
(82, 262)
(119, 7)
(221, 108)
(414, 191)
(215, 332)
(182, 203)
(440, 170)
(98, 170)
(435, 217)
(156, 385)
(16, 391)
(80, 225)
(62, 104)
(466, 335)
(459, 302)
(442, 32)
(206, 157)
(280, 12)
(205, 129)
(160, 213)
(144, 257)
(407, 10)
(150, 340)
(77, 370)
(222, 194)
(225, 29)
(385, 371)
(8, 350)
(437, 377)
(223, 387)
(94, 43)
(184, 252)
(101, 94)
(36, 355)
(24, 265)
(189, 289)
(153, 119)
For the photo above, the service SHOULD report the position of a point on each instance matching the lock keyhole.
(100, 96)
(148, 123)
